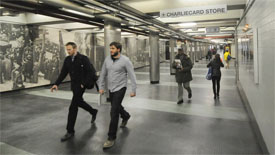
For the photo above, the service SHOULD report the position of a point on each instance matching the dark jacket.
(76, 69)
(216, 67)
(183, 75)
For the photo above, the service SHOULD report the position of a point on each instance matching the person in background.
(183, 74)
(226, 59)
(216, 64)
(209, 55)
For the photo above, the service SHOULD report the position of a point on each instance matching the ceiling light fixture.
(187, 24)
(77, 12)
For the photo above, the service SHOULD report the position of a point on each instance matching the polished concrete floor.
(32, 121)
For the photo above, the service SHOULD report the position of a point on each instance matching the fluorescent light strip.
(187, 24)
(77, 12)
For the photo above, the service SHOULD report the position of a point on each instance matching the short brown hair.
(117, 45)
(72, 44)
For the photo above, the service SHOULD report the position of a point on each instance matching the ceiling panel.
(145, 6)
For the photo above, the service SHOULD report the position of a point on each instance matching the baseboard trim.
(29, 88)
(253, 122)
(154, 82)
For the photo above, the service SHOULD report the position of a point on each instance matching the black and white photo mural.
(162, 47)
(137, 49)
(32, 56)
(18, 58)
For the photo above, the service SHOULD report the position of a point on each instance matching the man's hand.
(101, 91)
(81, 86)
(132, 94)
(54, 87)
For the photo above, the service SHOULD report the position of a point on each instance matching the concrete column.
(189, 48)
(154, 58)
(237, 57)
(112, 32)
(192, 52)
(202, 50)
(199, 51)
(196, 52)
(172, 55)
(205, 50)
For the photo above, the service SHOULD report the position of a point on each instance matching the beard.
(114, 55)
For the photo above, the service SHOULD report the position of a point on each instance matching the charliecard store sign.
(193, 11)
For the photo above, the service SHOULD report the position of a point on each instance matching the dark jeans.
(216, 81)
(116, 109)
(77, 101)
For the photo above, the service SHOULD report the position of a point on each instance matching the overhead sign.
(212, 29)
(193, 11)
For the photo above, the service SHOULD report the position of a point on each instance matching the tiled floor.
(33, 121)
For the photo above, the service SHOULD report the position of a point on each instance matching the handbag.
(209, 74)
(228, 57)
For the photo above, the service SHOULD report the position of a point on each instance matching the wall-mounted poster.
(249, 57)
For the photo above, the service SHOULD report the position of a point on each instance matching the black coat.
(77, 70)
(216, 67)
(184, 75)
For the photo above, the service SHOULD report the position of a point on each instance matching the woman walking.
(216, 64)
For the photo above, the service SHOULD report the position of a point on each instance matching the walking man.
(79, 68)
(116, 68)
(183, 74)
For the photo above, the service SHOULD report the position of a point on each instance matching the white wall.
(233, 51)
(261, 96)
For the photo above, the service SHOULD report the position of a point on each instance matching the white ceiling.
(225, 21)
(147, 6)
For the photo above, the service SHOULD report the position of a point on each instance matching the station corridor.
(35, 119)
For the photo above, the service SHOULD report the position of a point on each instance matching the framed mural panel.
(256, 56)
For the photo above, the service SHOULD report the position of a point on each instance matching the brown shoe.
(108, 144)
(66, 137)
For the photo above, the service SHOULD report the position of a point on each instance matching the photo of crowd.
(32, 56)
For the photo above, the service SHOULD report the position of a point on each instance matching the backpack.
(89, 75)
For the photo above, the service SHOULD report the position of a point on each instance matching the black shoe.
(124, 122)
(67, 136)
(94, 116)
(189, 95)
(180, 102)
(215, 97)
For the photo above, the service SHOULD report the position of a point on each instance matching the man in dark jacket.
(183, 74)
(75, 64)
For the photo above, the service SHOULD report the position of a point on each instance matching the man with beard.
(75, 64)
(116, 68)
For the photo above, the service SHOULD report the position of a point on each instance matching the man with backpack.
(83, 76)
